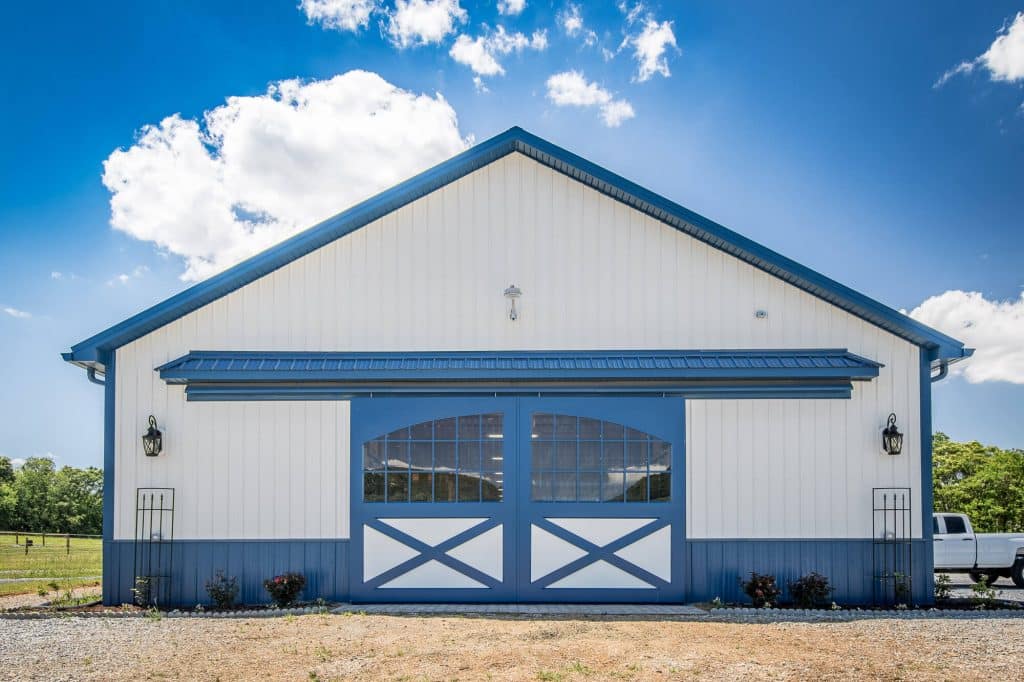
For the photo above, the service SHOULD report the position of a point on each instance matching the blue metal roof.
(94, 350)
(745, 365)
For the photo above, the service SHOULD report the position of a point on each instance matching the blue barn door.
(600, 488)
(517, 499)
(432, 501)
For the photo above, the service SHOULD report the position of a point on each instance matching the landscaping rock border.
(680, 612)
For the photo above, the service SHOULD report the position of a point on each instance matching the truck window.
(955, 524)
(935, 525)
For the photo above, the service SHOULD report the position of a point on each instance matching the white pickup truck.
(989, 555)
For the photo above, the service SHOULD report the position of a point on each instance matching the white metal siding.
(595, 274)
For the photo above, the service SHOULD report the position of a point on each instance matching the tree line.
(39, 497)
(983, 481)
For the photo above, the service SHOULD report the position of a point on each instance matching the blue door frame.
(516, 514)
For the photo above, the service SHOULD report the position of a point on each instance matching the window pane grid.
(455, 459)
(606, 462)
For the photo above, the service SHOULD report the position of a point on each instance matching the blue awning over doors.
(222, 375)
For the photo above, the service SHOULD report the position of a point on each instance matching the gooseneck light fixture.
(152, 439)
(512, 293)
(892, 439)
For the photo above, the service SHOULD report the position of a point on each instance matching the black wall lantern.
(152, 440)
(892, 439)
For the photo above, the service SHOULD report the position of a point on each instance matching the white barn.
(670, 406)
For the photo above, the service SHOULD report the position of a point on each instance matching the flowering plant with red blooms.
(284, 589)
(762, 589)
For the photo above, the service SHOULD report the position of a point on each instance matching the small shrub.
(811, 590)
(900, 588)
(762, 589)
(284, 589)
(984, 594)
(943, 586)
(143, 591)
(223, 590)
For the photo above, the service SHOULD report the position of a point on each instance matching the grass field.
(49, 564)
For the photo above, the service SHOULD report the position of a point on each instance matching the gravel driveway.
(375, 647)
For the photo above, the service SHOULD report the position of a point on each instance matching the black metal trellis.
(154, 545)
(892, 547)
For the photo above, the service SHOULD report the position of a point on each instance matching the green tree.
(982, 481)
(6, 470)
(77, 499)
(33, 488)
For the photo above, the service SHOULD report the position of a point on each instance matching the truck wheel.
(989, 576)
(1017, 572)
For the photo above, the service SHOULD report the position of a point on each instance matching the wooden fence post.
(67, 539)
(44, 539)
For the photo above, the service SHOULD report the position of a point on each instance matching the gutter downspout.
(90, 372)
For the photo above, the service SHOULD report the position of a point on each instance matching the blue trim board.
(927, 493)
(324, 562)
(94, 350)
(839, 390)
(109, 412)
(714, 567)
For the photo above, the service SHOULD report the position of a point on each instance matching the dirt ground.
(372, 647)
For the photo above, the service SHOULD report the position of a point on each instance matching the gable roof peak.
(94, 351)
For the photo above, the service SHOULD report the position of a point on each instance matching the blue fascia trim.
(109, 412)
(561, 160)
(221, 392)
(927, 494)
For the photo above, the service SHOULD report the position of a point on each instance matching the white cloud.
(571, 21)
(14, 312)
(474, 54)
(632, 13)
(421, 22)
(511, 7)
(56, 275)
(480, 53)
(571, 88)
(1004, 58)
(649, 47)
(340, 15)
(259, 169)
(995, 329)
(125, 277)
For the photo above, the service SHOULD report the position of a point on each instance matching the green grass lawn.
(51, 563)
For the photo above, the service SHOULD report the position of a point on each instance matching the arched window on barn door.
(454, 459)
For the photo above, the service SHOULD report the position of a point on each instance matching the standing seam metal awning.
(224, 372)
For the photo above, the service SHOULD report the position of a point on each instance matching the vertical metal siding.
(594, 274)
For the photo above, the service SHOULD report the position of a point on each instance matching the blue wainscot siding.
(714, 567)
(323, 562)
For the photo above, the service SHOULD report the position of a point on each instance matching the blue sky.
(822, 132)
